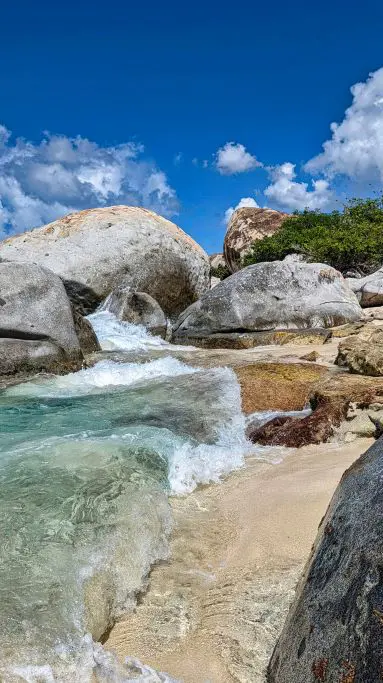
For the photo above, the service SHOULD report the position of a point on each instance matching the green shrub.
(221, 272)
(347, 240)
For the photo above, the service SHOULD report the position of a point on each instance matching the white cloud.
(233, 158)
(40, 182)
(291, 195)
(356, 146)
(245, 201)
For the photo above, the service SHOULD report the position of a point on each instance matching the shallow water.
(87, 462)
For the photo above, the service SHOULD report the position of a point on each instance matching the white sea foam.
(104, 374)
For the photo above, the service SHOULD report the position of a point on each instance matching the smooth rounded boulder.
(269, 296)
(138, 308)
(334, 630)
(246, 226)
(369, 289)
(37, 329)
(97, 250)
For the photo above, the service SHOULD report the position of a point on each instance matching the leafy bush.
(221, 272)
(351, 240)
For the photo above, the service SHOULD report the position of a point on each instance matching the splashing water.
(87, 462)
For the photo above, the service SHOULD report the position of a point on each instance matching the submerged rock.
(272, 296)
(249, 340)
(96, 250)
(138, 308)
(363, 354)
(248, 225)
(37, 330)
(277, 386)
(334, 629)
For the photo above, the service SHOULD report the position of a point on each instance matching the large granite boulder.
(247, 225)
(369, 289)
(138, 308)
(334, 630)
(272, 296)
(97, 250)
(37, 329)
(363, 353)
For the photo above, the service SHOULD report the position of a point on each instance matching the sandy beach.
(214, 610)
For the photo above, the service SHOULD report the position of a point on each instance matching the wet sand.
(214, 610)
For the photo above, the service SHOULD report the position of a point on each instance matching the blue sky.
(115, 103)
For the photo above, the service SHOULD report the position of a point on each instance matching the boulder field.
(98, 250)
(272, 296)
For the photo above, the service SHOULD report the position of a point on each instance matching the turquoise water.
(87, 463)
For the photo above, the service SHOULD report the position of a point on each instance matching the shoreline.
(214, 610)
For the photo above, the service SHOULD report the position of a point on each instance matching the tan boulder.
(97, 250)
(363, 353)
(247, 225)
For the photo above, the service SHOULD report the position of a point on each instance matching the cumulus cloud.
(233, 158)
(245, 201)
(289, 194)
(40, 182)
(356, 146)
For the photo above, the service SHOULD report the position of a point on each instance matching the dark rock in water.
(138, 308)
(334, 631)
(85, 333)
(312, 357)
(272, 296)
(37, 330)
(295, 432)
(248, 340)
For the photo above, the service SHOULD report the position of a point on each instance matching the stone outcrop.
(369, 289)
(97, 250)
(363, 354)
(249, 340)
(37, 329)
(217, 261)
(272, 296)
(277, 386)
(334, 630)
(138, 308)
(247, 225)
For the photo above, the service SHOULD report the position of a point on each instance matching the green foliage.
(221, 271)
(347, 240)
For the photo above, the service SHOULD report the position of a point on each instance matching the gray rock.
(334, 630)
(138, 308)
(246, 226)
(369, 289)
(37, 329)
(97, 250)
(363, 353)
(85, 333)
(214, 281)
(217, 261)
(271, 296)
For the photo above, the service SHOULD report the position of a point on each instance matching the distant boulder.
(369, 289)
(97, 250)
(247, 225)
(217, 261)
(138, 308)
(37, 329)
(272, 296)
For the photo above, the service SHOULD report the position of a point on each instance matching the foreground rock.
(249, 340)
(37, 329)
(272, 296)
(138, 308)
(247, 225)
(334, 628)
(363, 354)
(330, 399)
(278, 386)
(97, 250)
(369, 289)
